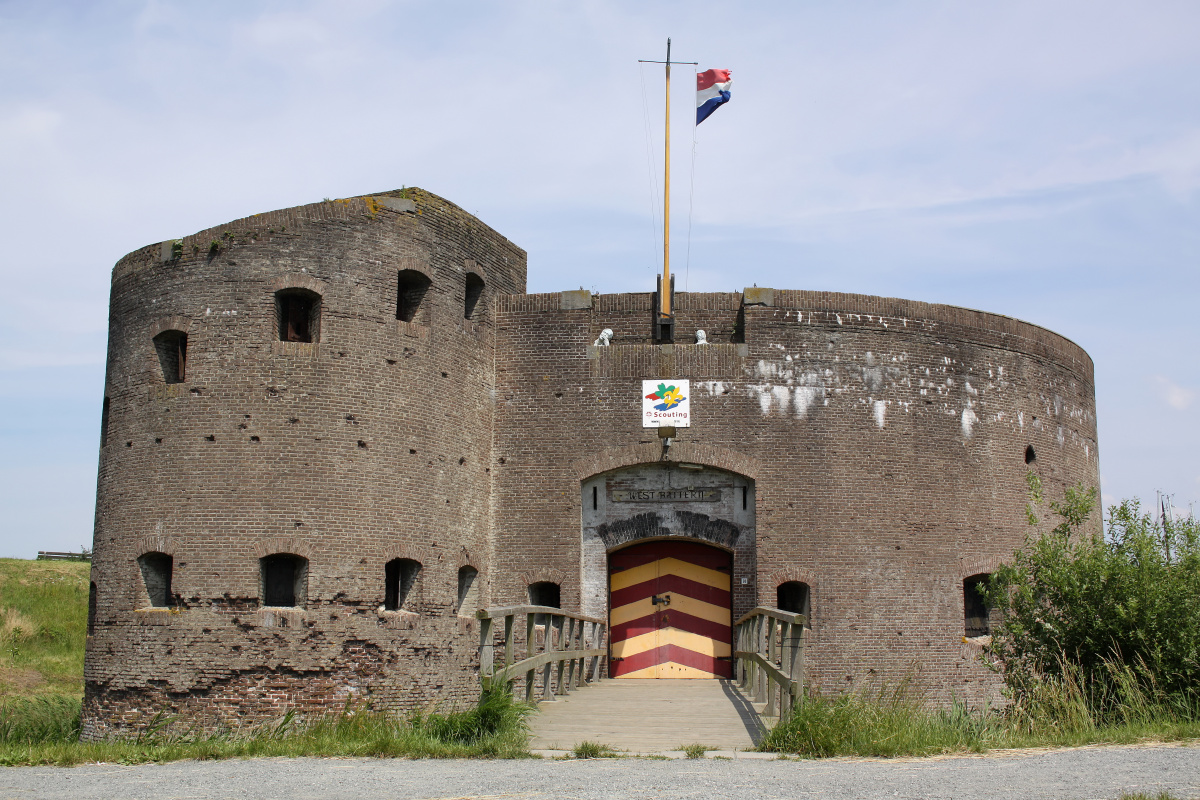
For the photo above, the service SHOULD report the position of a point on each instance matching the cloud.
(1177, 397)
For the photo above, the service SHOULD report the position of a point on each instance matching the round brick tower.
(293, 496)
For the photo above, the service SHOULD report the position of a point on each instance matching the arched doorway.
(671, 610)
(696, 523)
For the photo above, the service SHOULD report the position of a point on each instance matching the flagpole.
(665, 294)
(663, 324)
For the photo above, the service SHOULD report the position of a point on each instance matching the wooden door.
(670, 611)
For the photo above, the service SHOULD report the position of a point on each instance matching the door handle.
(665, 600)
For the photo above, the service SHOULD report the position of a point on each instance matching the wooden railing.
(50, 555)
(569, 642)
(770, 657)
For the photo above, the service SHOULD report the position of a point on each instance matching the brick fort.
(331, 433)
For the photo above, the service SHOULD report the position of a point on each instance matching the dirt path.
(1076, 774)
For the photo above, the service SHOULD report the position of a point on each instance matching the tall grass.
(1061, 709)
(43, 625)
(45, 731)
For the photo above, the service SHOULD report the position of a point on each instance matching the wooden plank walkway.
(648, 716)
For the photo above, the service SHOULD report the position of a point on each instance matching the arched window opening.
(411, 287)
(156, 574)
(976, 613)
(399, 577)
(1030, 455)
(284, 580)
(544, 593)
(473, 294)
(104, 423)
(298, 315)
(172, 355)
(468, 591)
(795, 597)
(91, 623)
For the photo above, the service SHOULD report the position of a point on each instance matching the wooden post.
(785, 692)
(598, 630)
(760, 689)
(530, 652)
(569, 644)
(772, 625)
(547, 645)
(487, 656)
(508, 640)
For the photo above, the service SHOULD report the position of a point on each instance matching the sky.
(1035, 159)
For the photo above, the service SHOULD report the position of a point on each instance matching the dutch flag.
(712, 91)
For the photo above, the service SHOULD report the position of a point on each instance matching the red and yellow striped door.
(670, 612)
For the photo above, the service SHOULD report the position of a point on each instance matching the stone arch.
(154, 543)
(470, 265)
(171, 323)
(405, 551)
(630, 496)
(681, 452)
(294, 281)
(283, 544)
(798, 574)
(696, 527)
(549, 575)
(976, 565)
(414, 264)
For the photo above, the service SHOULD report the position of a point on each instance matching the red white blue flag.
(712, 91)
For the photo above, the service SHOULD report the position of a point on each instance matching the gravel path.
(1078, 774)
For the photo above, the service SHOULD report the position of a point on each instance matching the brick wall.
(884, 439)
(881, 444)
(370, 444)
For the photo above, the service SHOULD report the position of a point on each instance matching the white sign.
(666, 403)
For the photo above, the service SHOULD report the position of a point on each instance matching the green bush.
(1107, 623)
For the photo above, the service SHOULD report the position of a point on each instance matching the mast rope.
(687, 264)
(656, 247)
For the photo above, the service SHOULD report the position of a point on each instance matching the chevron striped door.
(670, 611)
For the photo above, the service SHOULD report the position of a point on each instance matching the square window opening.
(411, 287)
(284, 578)
(298, 315)
(399, 576)
(171, 347)
(156, 575)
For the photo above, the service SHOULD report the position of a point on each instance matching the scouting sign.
(666, 404)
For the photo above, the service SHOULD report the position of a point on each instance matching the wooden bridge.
(556, 659)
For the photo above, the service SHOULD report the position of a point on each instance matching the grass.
(44, 730)
(43, 626)
(593, 750)
(882, 722)
(43, 629)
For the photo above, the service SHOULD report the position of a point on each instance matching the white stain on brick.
(968, 421)
(880, 412)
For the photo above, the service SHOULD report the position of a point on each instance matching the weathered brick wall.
(371, 444)
(880, 442)
(885, 440)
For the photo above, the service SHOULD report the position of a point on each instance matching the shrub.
(1109, 619)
